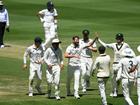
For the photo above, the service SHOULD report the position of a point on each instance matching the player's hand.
(24, 67)
(97, 35)
(77, 56)
(7, 29)
(61, 66)
(49, 67)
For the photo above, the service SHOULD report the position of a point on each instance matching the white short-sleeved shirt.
(48, 16)
(74, 51)
(53, 57)
(86, 52)
(35, 54)
(102, 64)
(138, 67)
(124, 66)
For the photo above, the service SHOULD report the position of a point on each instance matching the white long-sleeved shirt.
(138, 66)
(53, 57)
(35, 54)
(86, 52)
(117, 48)
(124, 67)
(72, 50)
(48, 16)
(102, 64)
(4, 17)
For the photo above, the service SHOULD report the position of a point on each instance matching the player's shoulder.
(138, 58)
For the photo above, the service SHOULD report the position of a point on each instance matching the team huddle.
(80, 67)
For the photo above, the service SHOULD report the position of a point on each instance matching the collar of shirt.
(103, 54)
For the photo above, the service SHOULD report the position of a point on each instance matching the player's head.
(1, 5)
(50, 6)
(55, 43)
(75, 40)
(119, 37)
(101, 49)
(85, 34)
(138, 48)
(37, 41)
(128, 52)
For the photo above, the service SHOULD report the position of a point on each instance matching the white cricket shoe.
(77, 96)
(57, 97)
(84, 90)
(30, 94)
(113, 94)
(2, 46)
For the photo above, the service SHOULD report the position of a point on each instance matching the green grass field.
(107, 17)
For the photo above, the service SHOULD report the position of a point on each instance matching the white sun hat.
(56, 41)
(138, 48)
(128, 52)
(1, 3)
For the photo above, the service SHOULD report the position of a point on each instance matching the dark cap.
(38, 40)
(50, 5)
(85, 32)
(119, 36)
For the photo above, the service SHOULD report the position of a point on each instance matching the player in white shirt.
(54, 59)
(73, 53)
(86, 59)
(137, 68)
(138, 75)
(35, 53)
(117, 47)
(124, 68)
(102, 64)
(4, 23)
(49, 19)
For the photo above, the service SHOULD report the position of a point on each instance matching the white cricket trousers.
(102, 84)
(138, 90)
(35, 69)
(126, 91)
(113, 77)
(53, 77)
(73, 71)
(86, 67)
(50, 33)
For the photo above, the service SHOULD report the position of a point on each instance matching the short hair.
(73, 38)
(85, 32)
(101, 49)
(38, 40)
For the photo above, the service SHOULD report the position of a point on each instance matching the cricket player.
(138, 75)
(35, 53)
(137, 68)
(54, 59)
(49, 19)
(124, 68)
(4, 23)
(73, 53)
(86, 59)
(102, 64)
(117, 47)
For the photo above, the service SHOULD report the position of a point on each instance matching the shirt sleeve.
(46, 54)
(25, 55)
(105, 45)
(7, 18)
(55, 12)
(95, 64)
(61, 57)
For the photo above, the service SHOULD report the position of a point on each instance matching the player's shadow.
(35, 94)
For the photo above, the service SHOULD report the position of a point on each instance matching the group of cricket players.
(80, 67)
